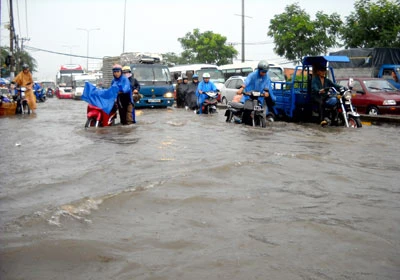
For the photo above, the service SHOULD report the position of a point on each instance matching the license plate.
(155, 100)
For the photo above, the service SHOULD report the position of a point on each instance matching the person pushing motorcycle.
(124, 98)
(24, 79)
(135, 86)
(260, 81)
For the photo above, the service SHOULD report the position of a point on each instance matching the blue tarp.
(322, 60)
(102, 98)
(4, 81)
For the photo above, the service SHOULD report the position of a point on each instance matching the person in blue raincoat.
(38, 90)
(260, 81)
(204, 86)
(124, 98)
(135, 87)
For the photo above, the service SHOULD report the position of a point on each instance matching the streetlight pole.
(70, 51)
(87, 46)
(123, 44)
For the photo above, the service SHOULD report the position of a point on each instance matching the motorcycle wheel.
(354, 122)
(26, 109)
(261, 122)
(229, 116)
(90, 122)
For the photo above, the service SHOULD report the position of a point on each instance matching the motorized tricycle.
(293, 98)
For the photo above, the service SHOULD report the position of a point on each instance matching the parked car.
(231, 86)
(374, 96)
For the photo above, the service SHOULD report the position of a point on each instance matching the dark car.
(374, 96)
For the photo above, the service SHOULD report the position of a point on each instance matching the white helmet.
(206, 75)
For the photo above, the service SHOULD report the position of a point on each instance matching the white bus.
(276, 72)
(188, 70)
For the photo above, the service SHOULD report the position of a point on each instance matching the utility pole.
(243, 41)
(243, 55)
(12, 33)
(22, 42)
(87, 44)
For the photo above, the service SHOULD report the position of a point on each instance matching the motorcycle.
(339, 109)
(50, 92)
(210, 104)
(250, 113)
(40, 95)
(22, 102)
(96, 117)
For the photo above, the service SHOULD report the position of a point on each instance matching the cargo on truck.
(156, 88)
(369, 62)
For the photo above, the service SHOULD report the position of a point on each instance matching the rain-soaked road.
(182, 196)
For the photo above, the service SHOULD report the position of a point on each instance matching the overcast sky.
(151, 26)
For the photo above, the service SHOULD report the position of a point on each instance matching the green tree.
(20, 57)
(172, 58)
(296, 35)
(206, 47)
(373, 24)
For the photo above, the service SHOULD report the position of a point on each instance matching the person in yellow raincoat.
(24, 79)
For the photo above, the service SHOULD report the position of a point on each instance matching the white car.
(230, 88)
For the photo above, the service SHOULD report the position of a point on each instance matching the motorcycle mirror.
(350, 83)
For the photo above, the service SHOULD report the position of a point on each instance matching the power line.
(253, 43)
(60, 53)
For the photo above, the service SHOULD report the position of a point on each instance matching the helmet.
(117, 67)
(195, 76)
(126, 69)
(185, 77)
(206, 75)
(263, 66)
(25, 66)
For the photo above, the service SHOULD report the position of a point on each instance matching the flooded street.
(183, 196)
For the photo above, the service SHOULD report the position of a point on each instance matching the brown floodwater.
(183, 196)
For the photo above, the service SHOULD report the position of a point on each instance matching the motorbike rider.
(181, 91)
(24, 79)
(135, 86)
(124, 98)
(320, 85)
(39, 91)
(259, 80)
(204, 86)
(190, 96)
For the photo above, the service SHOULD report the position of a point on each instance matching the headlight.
(168, 95)
(389, 102)
(347, 95)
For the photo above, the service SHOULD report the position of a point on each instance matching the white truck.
(78, 84)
